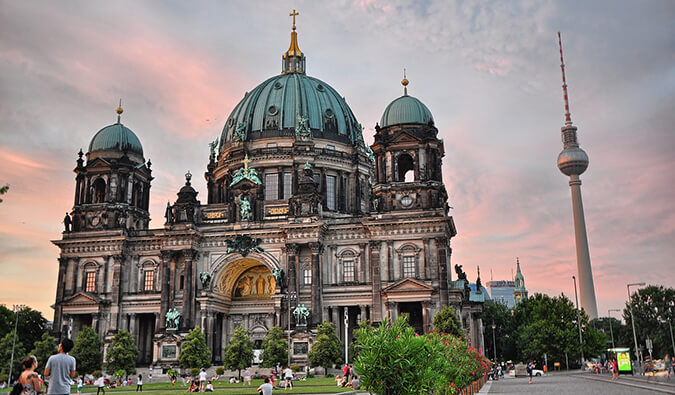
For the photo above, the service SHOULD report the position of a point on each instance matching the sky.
(489, 71)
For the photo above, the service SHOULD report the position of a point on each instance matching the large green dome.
(406, 110)
(272, 109)
(116, 137)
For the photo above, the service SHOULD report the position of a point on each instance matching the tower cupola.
(293, 60)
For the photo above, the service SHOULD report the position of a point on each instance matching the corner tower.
(572, 162)
(519, 291)
(112, 189)
(408, 157)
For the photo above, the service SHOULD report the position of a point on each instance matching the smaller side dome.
(116, 137)
(405, 110)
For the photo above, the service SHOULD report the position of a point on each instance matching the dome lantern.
(293, 60)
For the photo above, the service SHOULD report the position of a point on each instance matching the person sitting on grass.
(338, 380)
(344, 382)
(265, 388)
(356, 382)
(209, 387)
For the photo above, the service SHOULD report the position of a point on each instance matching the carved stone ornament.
(244, 245)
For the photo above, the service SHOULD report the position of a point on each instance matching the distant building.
(520, 292)
(502, 292)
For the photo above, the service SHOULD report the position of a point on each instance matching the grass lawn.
(309, 386)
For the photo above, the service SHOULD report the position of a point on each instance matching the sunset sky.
(489, 71)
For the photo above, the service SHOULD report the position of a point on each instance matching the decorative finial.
(568, 116)
(405, 83)
(293, 60)
(293, 14)
(188, 176)
(246, 162)
(119, 111)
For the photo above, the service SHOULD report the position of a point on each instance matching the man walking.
(60, 369)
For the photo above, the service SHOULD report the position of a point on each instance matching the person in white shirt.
(247, 377)
(266, 388)
(202, 380)
(288, 375)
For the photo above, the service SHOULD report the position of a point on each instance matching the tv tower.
(572, 162)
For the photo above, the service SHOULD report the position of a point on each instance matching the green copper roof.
(116, 137)
(406, 109)
(273, 108)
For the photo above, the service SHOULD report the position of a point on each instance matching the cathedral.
(303, 223)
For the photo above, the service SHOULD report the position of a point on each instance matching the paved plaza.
(568, 384)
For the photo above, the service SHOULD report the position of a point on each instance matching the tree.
(88, 351)
(548, 325)
(275, 348)
(3, 190)
(6, 354)
(30, 325)
(239, 353)
(327, 349)
(193, 351)
(652, 306)
(122, 353)
(44, 348)
(445, 321)
(499, 314)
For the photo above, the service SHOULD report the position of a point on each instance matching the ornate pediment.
(407, 285)
(82, 299)
(404, 137)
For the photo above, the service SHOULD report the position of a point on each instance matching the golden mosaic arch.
(246, 278)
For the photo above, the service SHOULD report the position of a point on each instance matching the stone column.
(361, 277)
(210, 331)
(442, 269)
(63, 263)
(390, 260)
(291, 266)
(188, 293)
(132, 326)
(425, 316)
(316, 283)
(426, 273)
(166, 287)
(335, 319)
(376, 312)
(116, 292)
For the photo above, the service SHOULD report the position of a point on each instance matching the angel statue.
(172, 319)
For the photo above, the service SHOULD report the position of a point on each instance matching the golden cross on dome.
(293, 14)
(246, 161)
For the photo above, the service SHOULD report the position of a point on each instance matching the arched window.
(99, 190)
(406, 168)
(348, 260)
(408, 258)
(90, 271)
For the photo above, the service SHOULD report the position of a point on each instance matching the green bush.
(394, 360)
(220, 370)
(172, 372)
(120, 374)
(96, 373)
(194, 372)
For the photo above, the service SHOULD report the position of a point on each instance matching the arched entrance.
(244, 294)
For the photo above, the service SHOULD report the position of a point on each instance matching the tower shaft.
(586, 287)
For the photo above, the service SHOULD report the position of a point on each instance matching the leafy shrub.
(172, 372)
(220, 370)
(394, 360)
(96, 373)
(295, 368)
(120, 373)
(194, 372)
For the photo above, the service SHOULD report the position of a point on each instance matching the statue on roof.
(246, 173)
(239, 133)
(302, 130)
(212, 146)
(460, 273)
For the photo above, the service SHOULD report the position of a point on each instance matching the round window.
(277, 85)
(272, 110)
(329, 113)
(319, 88)
(406, 201)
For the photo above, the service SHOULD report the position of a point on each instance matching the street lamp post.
(632, 320)
(17, 310)
(611, 332)
(581, 339)
(494, 344)
(670, 326)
